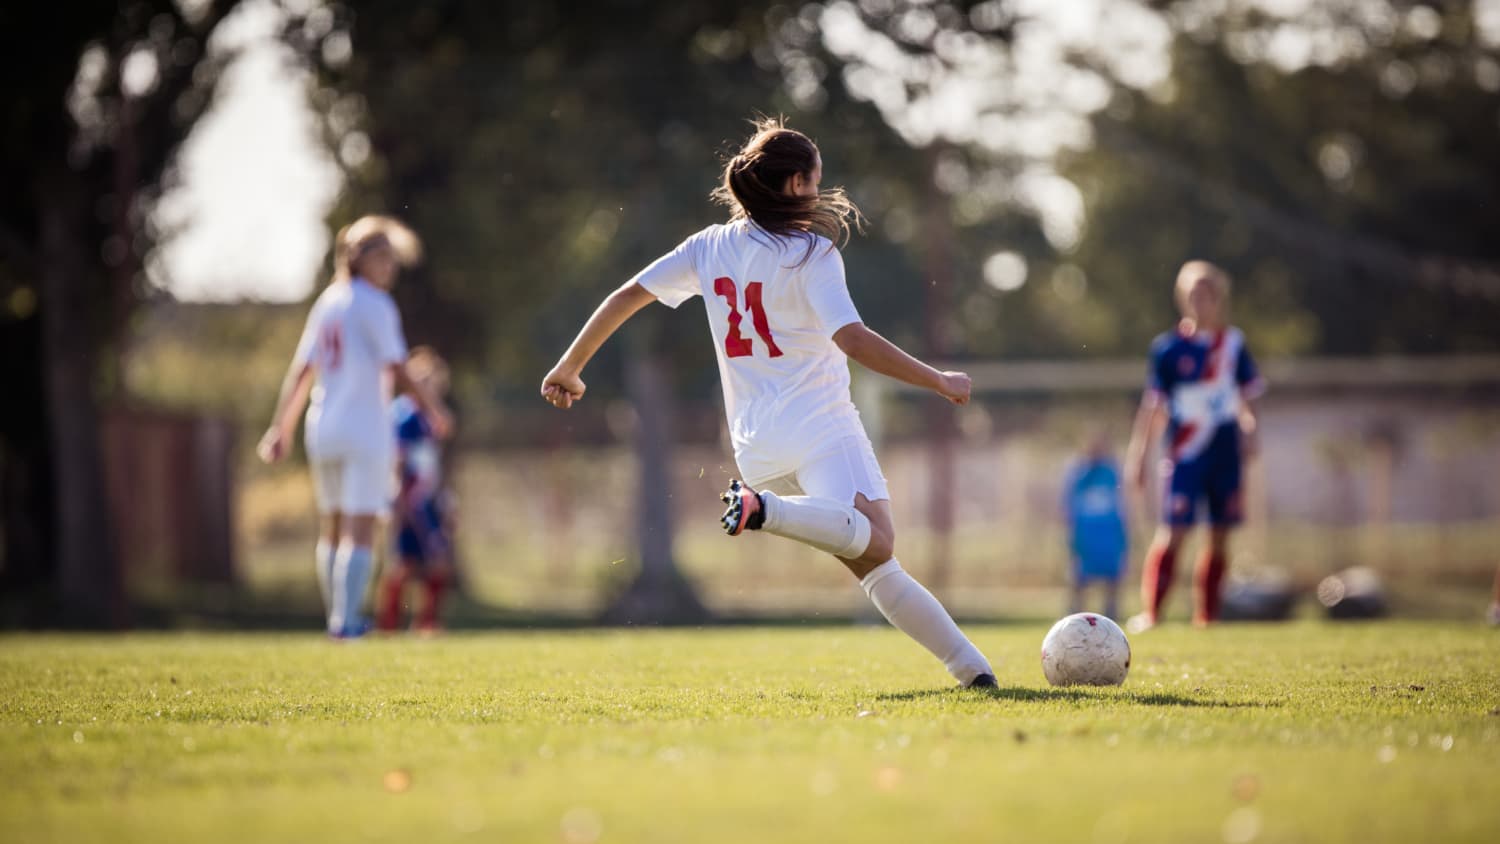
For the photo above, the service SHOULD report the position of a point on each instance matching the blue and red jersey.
(1202, 379)
(421, 534)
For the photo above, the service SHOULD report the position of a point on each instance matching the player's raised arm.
(563, 385)
(878, 354)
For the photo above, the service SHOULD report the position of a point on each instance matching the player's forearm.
(1142, 432)
(878, 354)
(1249, 418)
(292, 398)
(612, 313)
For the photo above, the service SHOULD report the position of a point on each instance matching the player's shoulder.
(713, 232)
(367, 295)
(1165, 342)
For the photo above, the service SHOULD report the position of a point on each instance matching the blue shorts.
(421, 537)
(1212, 477)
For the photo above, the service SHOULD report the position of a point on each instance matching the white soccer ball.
(1085, 649)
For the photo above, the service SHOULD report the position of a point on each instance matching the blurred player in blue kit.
(1096, 524)
(1200, 384)
(421, 512)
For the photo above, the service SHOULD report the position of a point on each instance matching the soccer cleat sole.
(743, 503)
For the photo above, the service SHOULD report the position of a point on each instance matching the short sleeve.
(309, 341)
(384, 328)
(828, 291)
(671, 278)
(1247, 375)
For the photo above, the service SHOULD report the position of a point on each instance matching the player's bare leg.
(1111, 597)
(1075, 593)
(1156, 576)
(1208, 577)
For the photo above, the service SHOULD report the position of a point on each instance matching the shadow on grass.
(1025, 694)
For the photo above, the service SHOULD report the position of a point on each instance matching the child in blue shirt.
(1096, 524)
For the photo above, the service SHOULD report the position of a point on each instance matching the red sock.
(436, 583)
(1156, 578)
(1208, 582)
(390, 600)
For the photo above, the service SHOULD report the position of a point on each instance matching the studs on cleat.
(744, 509)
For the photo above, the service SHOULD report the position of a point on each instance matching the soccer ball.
(1085, 649)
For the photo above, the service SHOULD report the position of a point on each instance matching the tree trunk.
(90, 586)
(26, 527)
(660, 594)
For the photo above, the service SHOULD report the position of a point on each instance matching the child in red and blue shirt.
(1200, 386)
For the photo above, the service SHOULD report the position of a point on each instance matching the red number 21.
(332, 341)
(735, 345)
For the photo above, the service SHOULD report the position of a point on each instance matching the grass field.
(1301, 732)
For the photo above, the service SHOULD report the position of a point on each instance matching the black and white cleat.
(744, 513)
(983, 681)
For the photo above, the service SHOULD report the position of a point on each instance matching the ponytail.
(753, 187)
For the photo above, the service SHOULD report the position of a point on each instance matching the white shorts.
(358, 486)
(839, 473)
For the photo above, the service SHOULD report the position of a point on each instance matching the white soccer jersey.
(353, 333)
(786, 384)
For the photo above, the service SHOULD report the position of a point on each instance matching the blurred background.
(1033, 173)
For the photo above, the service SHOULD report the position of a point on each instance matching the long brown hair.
(754, 188)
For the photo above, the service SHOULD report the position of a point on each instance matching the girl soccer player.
(353, 348)
(783, 327)
(1199, 386)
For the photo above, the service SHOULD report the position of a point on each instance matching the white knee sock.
(914, 611)
(822, 523)
(324, 554)
(351, 576)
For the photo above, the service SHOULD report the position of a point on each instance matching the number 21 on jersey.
(735, 344)
(331, 339)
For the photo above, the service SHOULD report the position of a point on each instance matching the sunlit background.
(1033, 173)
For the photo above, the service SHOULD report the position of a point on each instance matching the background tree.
(98, 98)
(1335, 156)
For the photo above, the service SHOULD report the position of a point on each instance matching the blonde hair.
(1191, 272)
(369, 231)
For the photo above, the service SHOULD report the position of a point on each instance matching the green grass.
(1303, 732)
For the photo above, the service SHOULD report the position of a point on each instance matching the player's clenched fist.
(955, 387)
(562, 388)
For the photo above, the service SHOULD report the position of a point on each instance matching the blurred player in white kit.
(351, 356)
